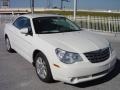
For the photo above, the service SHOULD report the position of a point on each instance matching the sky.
(81, 4)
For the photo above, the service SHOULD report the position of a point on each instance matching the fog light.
(82, 77)
(73, 79)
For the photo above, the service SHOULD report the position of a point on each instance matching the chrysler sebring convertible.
(59, 49)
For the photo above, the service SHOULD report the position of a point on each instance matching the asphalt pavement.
(16, 73)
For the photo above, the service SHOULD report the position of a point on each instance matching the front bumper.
(84, 71)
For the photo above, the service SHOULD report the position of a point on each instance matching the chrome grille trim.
(98, 55)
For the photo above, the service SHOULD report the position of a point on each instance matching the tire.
(8, 45)
(42, 68)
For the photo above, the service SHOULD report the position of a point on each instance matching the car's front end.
(92, 65)
(79, 59)
(74, 55)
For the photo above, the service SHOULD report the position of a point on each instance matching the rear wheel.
(8, 45)
(42, 68)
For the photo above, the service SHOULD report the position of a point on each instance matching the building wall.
(5, 3)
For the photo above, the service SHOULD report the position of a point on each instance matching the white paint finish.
(78, 42)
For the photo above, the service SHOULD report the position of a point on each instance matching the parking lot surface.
(16, 73)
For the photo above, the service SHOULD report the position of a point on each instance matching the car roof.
(41, 15)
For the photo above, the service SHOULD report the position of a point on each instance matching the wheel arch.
(50, 73)
(35, 53)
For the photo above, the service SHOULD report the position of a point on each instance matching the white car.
(59, 49)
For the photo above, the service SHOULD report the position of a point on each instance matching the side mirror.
(24, 31)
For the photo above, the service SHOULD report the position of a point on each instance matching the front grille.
(98, 55)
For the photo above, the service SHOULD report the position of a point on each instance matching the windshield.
(45, 25)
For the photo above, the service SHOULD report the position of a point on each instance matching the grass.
(81, 13)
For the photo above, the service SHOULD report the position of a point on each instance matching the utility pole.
(61, 4)
(75, 9)
(48, 3)
(32, 6)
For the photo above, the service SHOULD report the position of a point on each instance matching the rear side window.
(22, 22)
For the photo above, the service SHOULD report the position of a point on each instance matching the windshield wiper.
(48, 32)
(69, 30)
(60, 31)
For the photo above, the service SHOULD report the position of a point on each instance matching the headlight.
(110, 47)
(67, 57)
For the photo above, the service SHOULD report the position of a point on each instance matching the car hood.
(79, 41)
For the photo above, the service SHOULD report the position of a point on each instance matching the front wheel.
(8, 45)
(42, 68)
